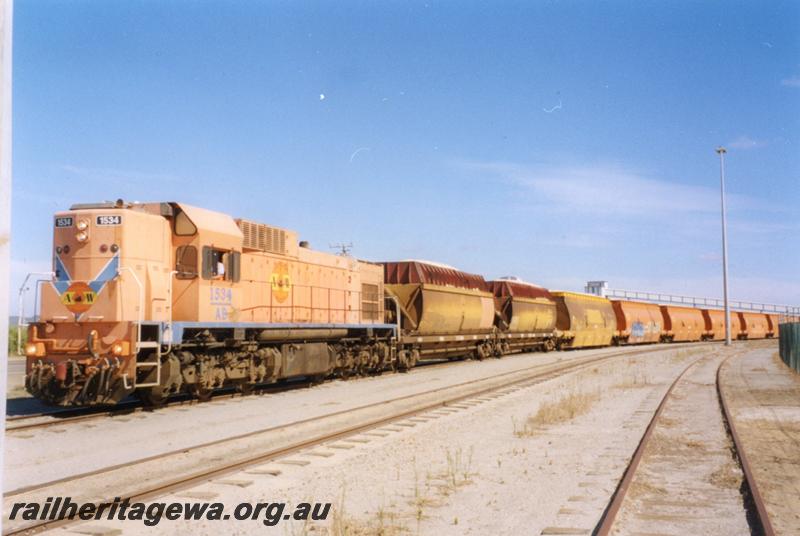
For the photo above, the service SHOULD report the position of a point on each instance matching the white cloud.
(793, 81)
(745, 142)
(609, 190)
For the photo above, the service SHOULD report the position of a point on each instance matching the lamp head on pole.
(721, 150)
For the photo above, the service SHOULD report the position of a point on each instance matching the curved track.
(759, 519)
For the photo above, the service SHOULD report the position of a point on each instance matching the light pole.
(721, 151)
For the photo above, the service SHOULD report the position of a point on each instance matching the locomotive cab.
(111, 277)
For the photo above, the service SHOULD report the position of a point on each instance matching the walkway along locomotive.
(164, 298)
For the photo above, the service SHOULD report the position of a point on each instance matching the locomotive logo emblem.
(79, 296)
(281, 282)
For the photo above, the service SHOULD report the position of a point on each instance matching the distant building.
(598, 288)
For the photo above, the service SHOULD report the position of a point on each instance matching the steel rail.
(73, 415)
(606, 522)
(590, 360)
(747, 469)
(553, 370)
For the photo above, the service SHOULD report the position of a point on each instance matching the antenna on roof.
(344, 249)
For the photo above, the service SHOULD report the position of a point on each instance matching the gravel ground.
(540, 459)
(687, 481)
(764, 395)
(30, 459)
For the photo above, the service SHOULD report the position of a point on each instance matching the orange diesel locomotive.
(162, 298)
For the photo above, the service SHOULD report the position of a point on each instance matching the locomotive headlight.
(82, 236)
(34, 349)
(121, 348)
(82, 225)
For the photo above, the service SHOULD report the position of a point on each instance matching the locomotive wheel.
(245, 388)
(318, 379)
(171, 381)
(549, 345)
(153, 397)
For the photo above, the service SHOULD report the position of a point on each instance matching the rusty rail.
(609, 515)
(749, 476)
(606, 522)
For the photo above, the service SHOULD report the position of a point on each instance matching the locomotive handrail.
(21, 306)
(140, 319)
(172, 275)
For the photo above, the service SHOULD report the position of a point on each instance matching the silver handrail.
(141, 316)
(21, 324)
(172, 275)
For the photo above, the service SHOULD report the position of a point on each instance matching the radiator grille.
(263, 237)
(370, 305)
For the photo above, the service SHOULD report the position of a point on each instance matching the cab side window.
(221, 264)
(186, 262)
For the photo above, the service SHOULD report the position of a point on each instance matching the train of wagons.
(159, 299)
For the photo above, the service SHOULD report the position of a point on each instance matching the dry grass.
(695, 445)
(674, 445)
(459, 469)
(726, 477)
(428, 492)
(562, 410)
(666, 422)
(384, 523)
(635, 379)
(642, 487)
(685, 353)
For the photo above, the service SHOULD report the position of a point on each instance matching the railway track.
(16, 423)
(70, 416)
(133, 479)
(62, 417)
(757, 516)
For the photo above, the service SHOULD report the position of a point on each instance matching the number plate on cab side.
(65, 221)
(109, 220)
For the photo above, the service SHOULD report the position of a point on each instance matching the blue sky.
(556, 141)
